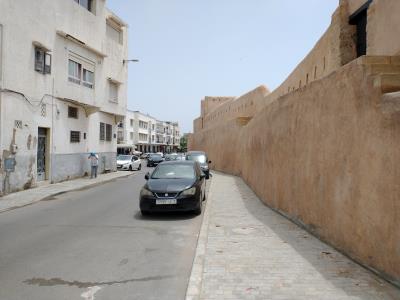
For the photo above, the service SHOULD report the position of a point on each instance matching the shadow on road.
(165, 216)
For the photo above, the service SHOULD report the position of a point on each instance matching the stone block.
(371, 60)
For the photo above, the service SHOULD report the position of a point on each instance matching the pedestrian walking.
(94, 164)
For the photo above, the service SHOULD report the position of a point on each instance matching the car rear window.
(174, 171)
(201, 158)
(124, 157)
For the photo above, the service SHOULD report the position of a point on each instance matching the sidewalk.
(248, 251)
(30, 196)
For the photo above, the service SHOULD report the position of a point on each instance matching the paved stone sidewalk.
(30, 196)
(248, 251)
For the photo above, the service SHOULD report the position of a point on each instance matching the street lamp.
(129, 60)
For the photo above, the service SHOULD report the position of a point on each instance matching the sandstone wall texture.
(323, 148)
(327, 156)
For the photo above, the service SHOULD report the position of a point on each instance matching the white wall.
(27, 23)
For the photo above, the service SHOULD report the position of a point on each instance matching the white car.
(128, 162)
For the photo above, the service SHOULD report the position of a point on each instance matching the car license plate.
(165, 201)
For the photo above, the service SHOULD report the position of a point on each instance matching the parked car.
(145, 155)
(180, 156)
(169, 157)
(154, 159)
(160, 153)
(202, 159)
(128, 162)
(174, 186)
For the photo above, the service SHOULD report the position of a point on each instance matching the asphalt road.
(94, 244)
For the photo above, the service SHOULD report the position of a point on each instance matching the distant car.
(202, 159)
(145, 155)
(180, 156)
(154, 159)
(160, 153)
(174, 186)
(128, 162)
(169, 157)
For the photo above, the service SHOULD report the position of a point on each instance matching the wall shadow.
(334, 266)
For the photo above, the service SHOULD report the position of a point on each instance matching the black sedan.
(174, 186)
(154, 160)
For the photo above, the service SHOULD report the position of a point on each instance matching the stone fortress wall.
(323, 148)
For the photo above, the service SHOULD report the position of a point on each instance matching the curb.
(193, 291)
(63, 191)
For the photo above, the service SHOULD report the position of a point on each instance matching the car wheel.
(130, 168)
(198, 210)
(140, 167)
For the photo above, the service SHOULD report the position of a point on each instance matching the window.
(42, 61)
(75, 136)
(113, 91)
(108, 132)
(88, 4)
(88, 78)
(80, 73)
(72, 112)
(131, 122)
(152, 127)
(143, 137)
(74, 71)
(114, 32)
(102, 131)
(131, 135)
(143, 124)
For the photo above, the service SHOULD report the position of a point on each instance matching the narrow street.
(95, 242)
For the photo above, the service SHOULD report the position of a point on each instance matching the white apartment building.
(144, 133)
(62, 89)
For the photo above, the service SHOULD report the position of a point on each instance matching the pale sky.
(188, 49)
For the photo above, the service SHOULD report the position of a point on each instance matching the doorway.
(42, 154)
(360, 18)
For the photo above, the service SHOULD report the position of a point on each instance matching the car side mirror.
(147, 176)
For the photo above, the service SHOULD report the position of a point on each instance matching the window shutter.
(39, 60)
(47, 63)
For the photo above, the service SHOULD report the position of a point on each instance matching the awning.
(122, 146)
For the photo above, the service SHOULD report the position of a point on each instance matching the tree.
(183, 144)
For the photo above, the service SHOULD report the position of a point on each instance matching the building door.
(359, 18)
(41, 154)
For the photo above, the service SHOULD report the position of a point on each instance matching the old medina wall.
(326, 154)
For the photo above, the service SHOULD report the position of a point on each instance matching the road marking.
(89, 295)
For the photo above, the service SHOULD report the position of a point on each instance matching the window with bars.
(102, 131)
(108, 132)
(72, 112)
(75, 137)
(105, 132)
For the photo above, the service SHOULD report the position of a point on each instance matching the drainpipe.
(52, 133)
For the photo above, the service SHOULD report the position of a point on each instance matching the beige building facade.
(62, 89)
(322, 148)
